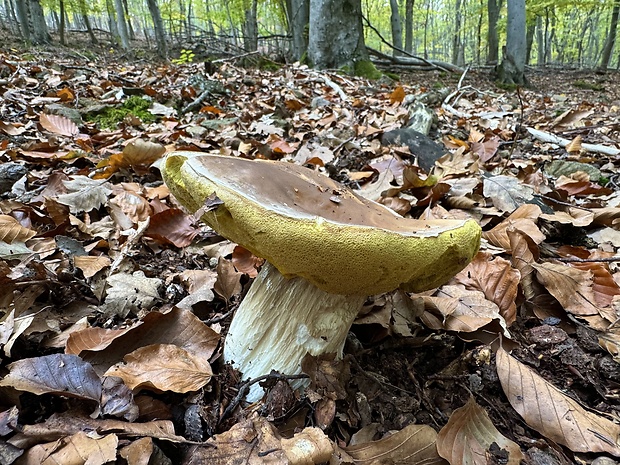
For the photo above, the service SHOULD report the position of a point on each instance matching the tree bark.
(336, 36)
(22, 14)
(298, 16)
(611, 37)
(456, 38)
(61, 29)
(540, 43)
(250, 27)
(529, 40)
(512, 68)
(397, 28)
(493, 9)
(409, 25)
(158, 26)
(89, 28)
(121, 24)
(40, 33)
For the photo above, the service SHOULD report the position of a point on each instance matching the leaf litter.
(115, 301)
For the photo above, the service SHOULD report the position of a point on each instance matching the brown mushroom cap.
(308, 225)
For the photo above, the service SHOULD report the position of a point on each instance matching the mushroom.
(327, 249)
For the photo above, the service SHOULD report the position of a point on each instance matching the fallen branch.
(553, 139)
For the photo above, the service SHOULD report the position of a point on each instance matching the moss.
(581, 84)
(394, 76)
(134, 106)
(506, 86)
(367, 69)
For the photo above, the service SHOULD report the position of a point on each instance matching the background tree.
(121, 24)
(336, 22)
(493, 9)
(512, 68)
(40, 33)
(298, 16)
(409, 25)
(158, 27)
(397, 28)
(611, 37)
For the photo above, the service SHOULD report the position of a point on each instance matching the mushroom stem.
(280, 320)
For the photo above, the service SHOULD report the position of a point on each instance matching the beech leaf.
(469, 434)
(552, 413)
(61, 374)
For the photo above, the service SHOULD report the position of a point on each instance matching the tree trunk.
(298, 16)
(250, 28)
(409, 25)
(512, 68)
(540, 43)
(456, 38)
(130, 31)
(61, 29)
(39, 31)
(336, 36)
(22, 14)
(529, 40)
(158, 26)
(493, 9)
(611, 37)
(121, 24)
(89, 28)
(397, 28)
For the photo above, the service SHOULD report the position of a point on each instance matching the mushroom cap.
(308, 225)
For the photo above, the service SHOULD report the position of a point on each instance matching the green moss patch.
(109, 117)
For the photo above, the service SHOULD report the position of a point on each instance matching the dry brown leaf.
(92, 339)
(61, 374)
(609, 216)
(525, 252)
(497, 279)
(468, 435)
(58, 124)
(575, 145)
(90, 265)
(11, 231)
(575, 216)
(163, 367)
(172, 226)
(59, 425)
(412, 444)
(570, 286)
(138, 452)
(228, 282)
(610, 341)
(78, 449)
(524, 219)
(603, 284)
(397, 95)
(553, 414)
(459, 309)
(246, 262)
(179, 327)
(247, 440)
(134, 206)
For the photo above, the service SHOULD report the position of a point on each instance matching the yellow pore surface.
(307, 225)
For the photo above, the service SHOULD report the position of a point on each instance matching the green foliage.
(367, 69)
(133, 106)
(394, 76)
(581, 84)
(186, 56)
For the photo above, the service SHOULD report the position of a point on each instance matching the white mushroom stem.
(280, 320)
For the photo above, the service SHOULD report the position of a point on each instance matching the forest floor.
(115, 301)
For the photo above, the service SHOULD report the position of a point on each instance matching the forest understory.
(115, 300)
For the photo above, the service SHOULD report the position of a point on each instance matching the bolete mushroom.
(327, 249)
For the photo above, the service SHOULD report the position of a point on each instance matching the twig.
(559, 202)
(235, 57)
(245, 387)
(217, 319)
(590, 260)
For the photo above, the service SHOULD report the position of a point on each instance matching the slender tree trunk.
(397, 28)
(336, 34)
(493, 9)
(22, 14)
(89, 28)
(250, 28)
(611, 37)
(409, 25)
(190, 26)
(456, 38)
(540, 43)
(512, 68)
(426, 20)
(61, 29)
(529, 40)
(158, 26)
(39, 31)
(112, 24)
(127, 15)
(121, 24)
(298, 16)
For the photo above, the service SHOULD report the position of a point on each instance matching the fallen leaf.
(163, 367)
(469, 436)
(78, 449)
(60, 374)
(552, 413)
(58, 124)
